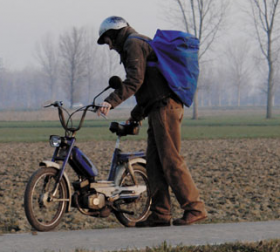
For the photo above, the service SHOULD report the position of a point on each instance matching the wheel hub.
(45, 200)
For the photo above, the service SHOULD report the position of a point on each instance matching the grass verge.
(219, 127)
(262, 246)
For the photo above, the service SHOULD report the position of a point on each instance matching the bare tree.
(46, 54)
(265, 16)
(2, 69)
(74, 57)
(239, 67)
(206, 85)
(2, 82)
(277, 82)
(107, 64)
(92, 63)
(220, 79)
(204, 19)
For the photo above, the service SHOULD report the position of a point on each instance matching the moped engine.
(96, 201)
(89, 198)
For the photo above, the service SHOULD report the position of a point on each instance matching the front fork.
(70, 143)
(51, 195)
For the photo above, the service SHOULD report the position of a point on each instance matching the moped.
(49, 192)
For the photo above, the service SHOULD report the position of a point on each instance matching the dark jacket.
(146, 83)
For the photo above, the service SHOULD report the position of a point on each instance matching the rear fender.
(122, 168)
(57, 167)
(130, 168)
(137, 160)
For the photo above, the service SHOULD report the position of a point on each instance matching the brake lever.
(105, 117)
(96, 107)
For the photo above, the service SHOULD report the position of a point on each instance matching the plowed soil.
(239, 180)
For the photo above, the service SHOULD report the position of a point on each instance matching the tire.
(140, 206)
(42, 214)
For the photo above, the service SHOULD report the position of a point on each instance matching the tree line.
(70, 68)
(240, 71)
(243, 72)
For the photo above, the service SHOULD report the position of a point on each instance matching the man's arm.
(135, 65)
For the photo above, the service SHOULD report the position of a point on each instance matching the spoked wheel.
(43, 209)
(140, 206)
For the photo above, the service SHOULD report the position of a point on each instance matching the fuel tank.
(81, 163)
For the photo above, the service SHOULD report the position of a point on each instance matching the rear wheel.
(43, 210)
(140, 206)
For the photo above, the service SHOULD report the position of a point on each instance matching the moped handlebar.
(64, 122)
(114, 82)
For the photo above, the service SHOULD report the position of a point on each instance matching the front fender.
(47, 163)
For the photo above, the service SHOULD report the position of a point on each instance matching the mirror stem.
(100, 94)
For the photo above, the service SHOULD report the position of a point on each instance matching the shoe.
(153, 221)
(189, 218)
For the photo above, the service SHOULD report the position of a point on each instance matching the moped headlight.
(55, 141)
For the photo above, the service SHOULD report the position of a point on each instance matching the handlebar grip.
(58, 104)
(55, 104)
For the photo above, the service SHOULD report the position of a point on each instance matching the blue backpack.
(177, 54)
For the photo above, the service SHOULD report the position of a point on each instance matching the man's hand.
(130, 120)
(104, 109)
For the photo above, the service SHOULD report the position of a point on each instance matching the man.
(155, 100)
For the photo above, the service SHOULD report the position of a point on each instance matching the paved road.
(122, 238)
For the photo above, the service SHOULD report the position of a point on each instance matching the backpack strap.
(149, 63)
(138, 37)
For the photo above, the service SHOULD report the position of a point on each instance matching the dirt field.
(50, 114)
(238, 179)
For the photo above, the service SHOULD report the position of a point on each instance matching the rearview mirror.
(115, 82)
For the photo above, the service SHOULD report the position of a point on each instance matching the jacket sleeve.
(134, 58)
(138, 113)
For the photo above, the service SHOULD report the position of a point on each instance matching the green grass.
(205, 128)
(262, 246)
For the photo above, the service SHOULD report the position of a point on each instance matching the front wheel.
(43, 209)
(140, 206)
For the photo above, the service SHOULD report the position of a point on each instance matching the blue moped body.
(82, 164)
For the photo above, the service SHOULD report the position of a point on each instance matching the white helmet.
(110, 23)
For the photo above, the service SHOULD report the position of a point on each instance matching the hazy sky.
(25, 22)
